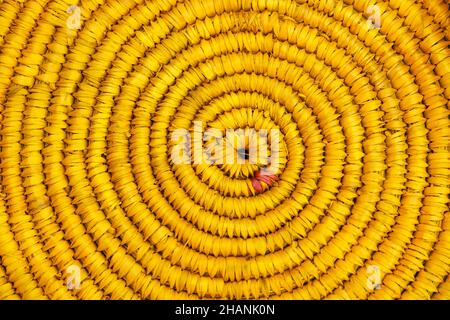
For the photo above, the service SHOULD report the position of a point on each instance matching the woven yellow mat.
(116, 117)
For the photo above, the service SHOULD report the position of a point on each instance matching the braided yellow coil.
(92, 206)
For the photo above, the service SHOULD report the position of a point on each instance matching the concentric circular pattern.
(87, 180)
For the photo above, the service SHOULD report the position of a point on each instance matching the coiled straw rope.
(93, 206)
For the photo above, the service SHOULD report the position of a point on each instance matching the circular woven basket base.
(104, 106)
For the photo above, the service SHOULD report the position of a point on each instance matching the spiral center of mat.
(244, 153)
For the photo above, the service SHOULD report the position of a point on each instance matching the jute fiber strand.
(92, 206)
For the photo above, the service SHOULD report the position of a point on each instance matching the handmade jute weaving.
(94, 206)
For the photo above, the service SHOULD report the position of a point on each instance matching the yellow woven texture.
(90, 92)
